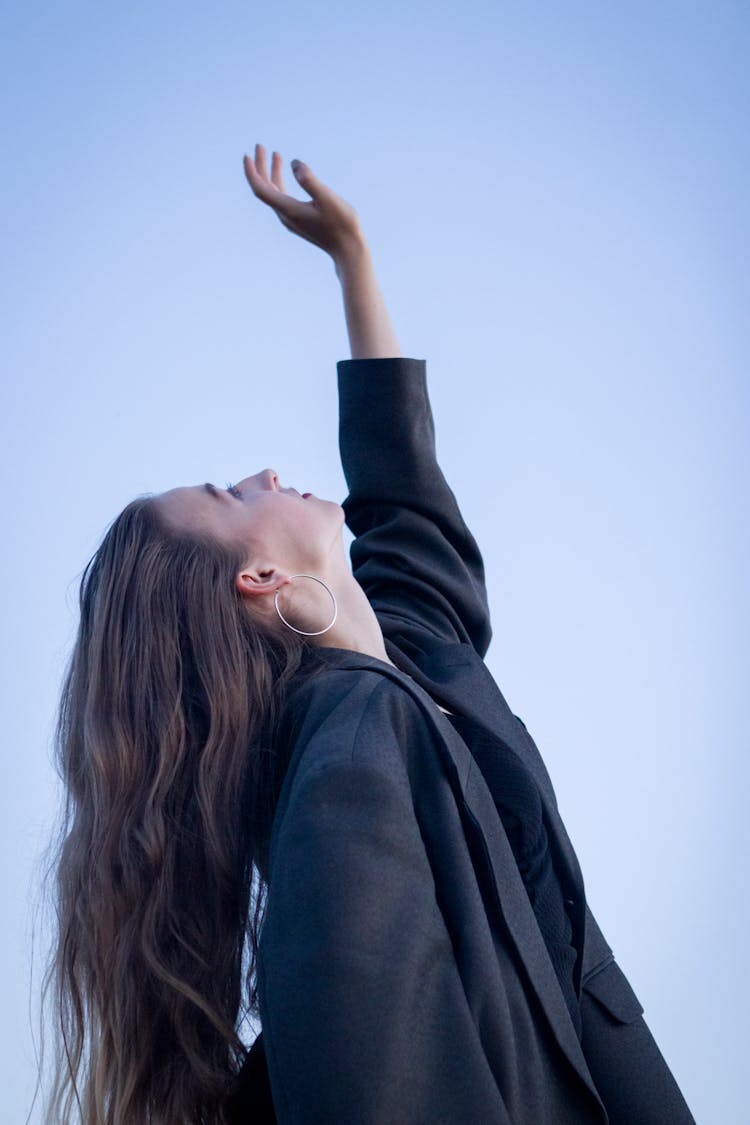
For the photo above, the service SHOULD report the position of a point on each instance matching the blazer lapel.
(457, 677)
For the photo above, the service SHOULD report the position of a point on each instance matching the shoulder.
(353, 718)
(355, 734)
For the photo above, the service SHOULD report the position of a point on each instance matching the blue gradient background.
(556, 198)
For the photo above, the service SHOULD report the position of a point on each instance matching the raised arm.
(413, 554)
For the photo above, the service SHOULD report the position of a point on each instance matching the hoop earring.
(305, 632)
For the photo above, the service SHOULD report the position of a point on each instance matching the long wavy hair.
(165, 744)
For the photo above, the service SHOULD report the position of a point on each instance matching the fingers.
(271, 191)
(257, 175)
(309, 182)
(260, 161)
(255, 171)
(276, 166)
(289, 211)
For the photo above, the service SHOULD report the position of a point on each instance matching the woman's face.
(278, 526)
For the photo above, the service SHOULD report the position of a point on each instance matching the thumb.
(306, 179)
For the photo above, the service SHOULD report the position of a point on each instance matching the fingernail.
(296, 164)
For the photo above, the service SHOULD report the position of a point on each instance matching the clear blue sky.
(556, 198)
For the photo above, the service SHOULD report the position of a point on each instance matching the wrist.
(352, 256)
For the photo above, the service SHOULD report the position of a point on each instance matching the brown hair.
(165, 745)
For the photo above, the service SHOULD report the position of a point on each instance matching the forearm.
(371, 334)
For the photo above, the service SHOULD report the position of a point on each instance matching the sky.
(556, 200)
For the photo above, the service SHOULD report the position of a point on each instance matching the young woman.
(295, 789)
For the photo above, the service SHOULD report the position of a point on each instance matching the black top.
(519, 805)
(251, 1100)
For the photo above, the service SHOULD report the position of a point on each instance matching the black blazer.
(402, 975)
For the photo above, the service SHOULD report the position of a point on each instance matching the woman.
(295, 789)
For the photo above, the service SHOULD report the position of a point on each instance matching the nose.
(269, 480)
(265, 481)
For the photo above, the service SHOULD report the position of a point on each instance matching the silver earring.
(305, 632)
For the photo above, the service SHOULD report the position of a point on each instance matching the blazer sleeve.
(413, 554)
(365, 1018)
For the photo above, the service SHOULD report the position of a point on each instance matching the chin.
(339, 520)
(332, 504)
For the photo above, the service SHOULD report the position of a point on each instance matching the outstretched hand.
(328, 221)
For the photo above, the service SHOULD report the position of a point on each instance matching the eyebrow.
(212, 490)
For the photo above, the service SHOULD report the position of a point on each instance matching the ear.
(254, 581)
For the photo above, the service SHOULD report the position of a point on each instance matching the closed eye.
(233, 490)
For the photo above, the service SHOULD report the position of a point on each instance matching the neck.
(357, 628)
